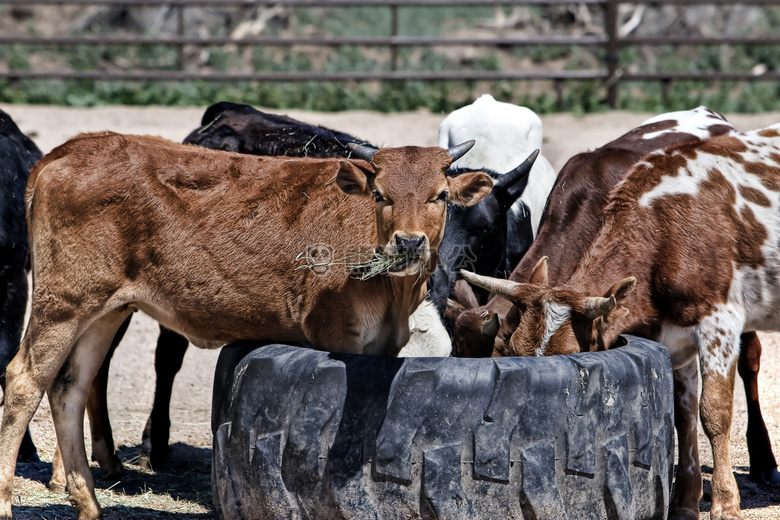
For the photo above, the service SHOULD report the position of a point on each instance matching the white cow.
(505, 135)
(428, 337)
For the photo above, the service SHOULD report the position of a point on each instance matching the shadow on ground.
(751, 495)
(186, 477)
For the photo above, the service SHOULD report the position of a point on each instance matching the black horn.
(458, 151)
(362, 151)
(511, 185)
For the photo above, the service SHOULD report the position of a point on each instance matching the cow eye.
(443, 195)
(377, 196)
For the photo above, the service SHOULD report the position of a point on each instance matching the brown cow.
(573, 217)
(690, 244)
(206, 243)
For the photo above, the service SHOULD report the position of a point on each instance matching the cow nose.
(411, 246)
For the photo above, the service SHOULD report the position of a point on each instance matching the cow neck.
(615, 254)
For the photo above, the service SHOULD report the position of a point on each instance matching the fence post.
(180, 32)
(393, 34)
(612, 56)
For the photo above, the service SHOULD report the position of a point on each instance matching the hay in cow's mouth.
(362, 265)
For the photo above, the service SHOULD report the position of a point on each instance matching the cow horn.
(598, 306)
(362, 151)
(512, 184)
(490, 327)
(494, 285)
(458, 151)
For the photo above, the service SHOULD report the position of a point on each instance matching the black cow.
(477, 236)
(244, 129)
(18, 154)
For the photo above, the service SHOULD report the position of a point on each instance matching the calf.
(18, 154)
(689, 243)
(505, 134)
(215, 246)
(241, 128)
(572, 218)
(236, 128)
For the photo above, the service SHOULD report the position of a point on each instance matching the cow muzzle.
(410, 252)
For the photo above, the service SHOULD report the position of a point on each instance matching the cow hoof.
(145, 461)
(683, 514)
(766, 476)
(57, 487)
(112, 469)
(154, 460)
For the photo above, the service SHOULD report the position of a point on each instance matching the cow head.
(554, 320)
(474, 327)
(475, 236)
(410, 190)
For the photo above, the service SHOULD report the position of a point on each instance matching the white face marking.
(555, 315)
(696, 122)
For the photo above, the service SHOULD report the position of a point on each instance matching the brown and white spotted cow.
(572, 219)
(688, 255)
(206, 242)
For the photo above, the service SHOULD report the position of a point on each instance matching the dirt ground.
(182, 490)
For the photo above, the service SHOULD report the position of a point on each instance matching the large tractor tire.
(305, 434)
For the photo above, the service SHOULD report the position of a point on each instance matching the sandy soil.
(132, 376)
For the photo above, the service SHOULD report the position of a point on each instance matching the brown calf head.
(550, 321)
(474, 326)
(411, 190)
(477, 329)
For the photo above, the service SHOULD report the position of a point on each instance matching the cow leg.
(99, 424)
(12, 309)
(763, 466)
(97, 408)
(687, 485)
(43, 351)
(718, 356)
(68, 397)
(168, 358)
(57, 483)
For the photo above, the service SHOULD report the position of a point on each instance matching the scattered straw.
(363, 265)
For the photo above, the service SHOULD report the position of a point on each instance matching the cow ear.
(354, 180)
(622, 289)
(539, 274)
(619, 291)
(453, 309)
(469, 188)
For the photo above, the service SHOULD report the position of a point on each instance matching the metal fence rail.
(610, 42)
